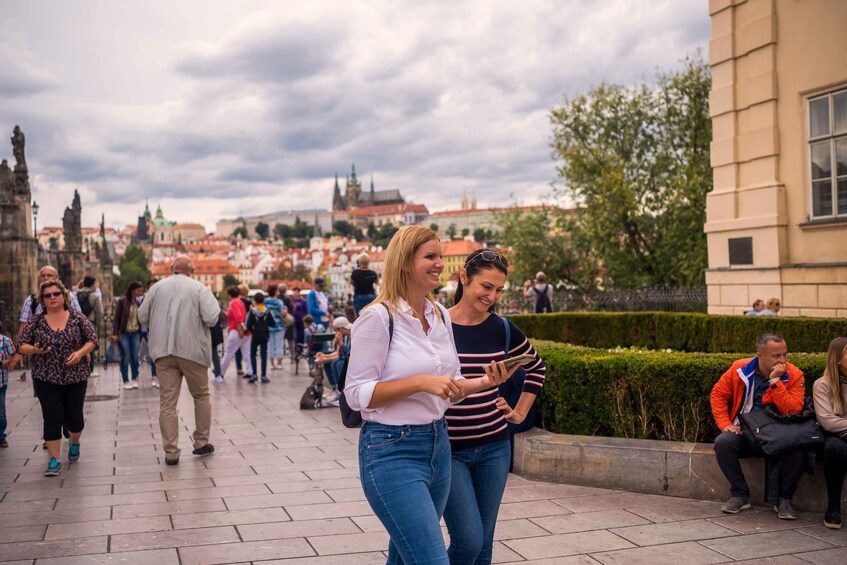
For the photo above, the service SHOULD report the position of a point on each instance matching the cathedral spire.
(353, 175)
(372, 184)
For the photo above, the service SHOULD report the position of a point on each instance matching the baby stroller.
(308, 351)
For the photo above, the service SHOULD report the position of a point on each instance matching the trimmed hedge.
(679, 331)
(636, 393)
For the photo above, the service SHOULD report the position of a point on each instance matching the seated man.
(334, 362)
(746, 387)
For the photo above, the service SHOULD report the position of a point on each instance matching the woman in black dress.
(363, 280)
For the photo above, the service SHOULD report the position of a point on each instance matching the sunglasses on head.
(489, 256)
(52, 294)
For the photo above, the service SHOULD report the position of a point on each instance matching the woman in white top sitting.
(403, 381)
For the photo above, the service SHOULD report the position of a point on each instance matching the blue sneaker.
(53, 468)
(73, 452)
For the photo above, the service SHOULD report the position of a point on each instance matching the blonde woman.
(830, 394)
(363, 280)
(403, 375)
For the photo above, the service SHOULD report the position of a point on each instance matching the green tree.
(346, 229)
(635, 161)
(433, 227)
(384, 234)
(133, 267)
(230, 280)
(262, 230)
(466, 232)
(282, 231)
(451, 231)
(240, 231)
(539, 242)
(479, 235)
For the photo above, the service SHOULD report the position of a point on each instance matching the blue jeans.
(333, 371)
(3, 412)
(405, 473)
(362, 300)
(479, 478)
(129, 343)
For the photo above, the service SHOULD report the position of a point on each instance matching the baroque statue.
(18, 143)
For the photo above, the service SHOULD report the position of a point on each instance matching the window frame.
(832, 138)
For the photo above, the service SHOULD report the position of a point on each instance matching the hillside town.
(289, 248)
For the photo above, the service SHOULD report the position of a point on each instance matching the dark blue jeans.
(3, 412)
(362, 300)
(479, 478)
(405, 473)
(260, 346)
(333, 371)
(129, 343)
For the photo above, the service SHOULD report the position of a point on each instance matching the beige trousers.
(171, 370)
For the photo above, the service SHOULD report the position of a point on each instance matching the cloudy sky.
(223, 108)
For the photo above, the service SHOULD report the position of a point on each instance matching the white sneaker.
(127, 386)
(218, 379)
(134, 384)
(94, 374)
(155, 383)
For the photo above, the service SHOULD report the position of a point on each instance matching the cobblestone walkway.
(283, 487)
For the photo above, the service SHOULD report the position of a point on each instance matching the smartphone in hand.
(518, 360)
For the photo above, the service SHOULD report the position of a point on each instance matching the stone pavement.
(283, 488)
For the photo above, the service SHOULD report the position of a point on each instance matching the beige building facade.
(777, 216)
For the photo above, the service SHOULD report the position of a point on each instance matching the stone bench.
(671, 468)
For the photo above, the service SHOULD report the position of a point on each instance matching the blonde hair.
(397, 272)
(66, 296)
(364, 260)
(832, 373)
(773, 302)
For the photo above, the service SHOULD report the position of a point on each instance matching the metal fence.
(644, 299)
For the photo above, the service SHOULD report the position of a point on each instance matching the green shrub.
(679, 331)
(638, 393)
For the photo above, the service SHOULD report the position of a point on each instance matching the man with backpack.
(91, 306)
(541, 294)
(259, 322)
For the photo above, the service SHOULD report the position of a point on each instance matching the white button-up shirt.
(412, 352)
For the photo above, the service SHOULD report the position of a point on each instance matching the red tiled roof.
(460, 247)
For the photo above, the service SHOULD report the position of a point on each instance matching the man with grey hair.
(749, 385)
(179, 312)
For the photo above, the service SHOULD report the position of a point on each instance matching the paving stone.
(27, 506)
(765, 520)
(765, 545)
(169, 508)
(304, 484)
(62, 516)
(502, 554)
(156, 557)
(515, 529)
(532, 509)
(251, 550)
(355, 559)
(673, 532)
(111, 500)
(301, 528)
(230, 517)
(174, 538)
(586, 521)
(561, 545)
(217, 492)
(158, 484)
(692, 510)
(334, 510)
(107, 527)
(689, 553)
(778, 560)
(53, 548)
(611, 501)
(546, 491)
(271, 500)
(835, 556)
(35, 491)
(345, 544)
(571, 560)
(346, 494)
(835, 537)
(10, 533)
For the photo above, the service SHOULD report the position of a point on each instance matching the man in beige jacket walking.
(179, 312)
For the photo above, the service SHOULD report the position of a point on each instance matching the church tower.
(354, 189)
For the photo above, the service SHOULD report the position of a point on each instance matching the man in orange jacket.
(748, 386)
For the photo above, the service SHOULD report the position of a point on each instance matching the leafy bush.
(679, 331)
(637, 393)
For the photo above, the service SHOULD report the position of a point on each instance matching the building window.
(828, 154)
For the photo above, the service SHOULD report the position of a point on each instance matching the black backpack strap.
(33, 304)
(390, 323)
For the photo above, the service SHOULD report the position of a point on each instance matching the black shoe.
(785, 511)
(172, 461)
(735, 505)
(207, 449)
(4, 443)
(832, 519)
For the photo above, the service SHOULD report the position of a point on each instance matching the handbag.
(287, 320)
(113, 353)
(777, 433)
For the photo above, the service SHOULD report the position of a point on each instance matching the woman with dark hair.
(403, 374)
(479, 425)
(126, 331)
(830, 395)
(299, 309)
(59, 339)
